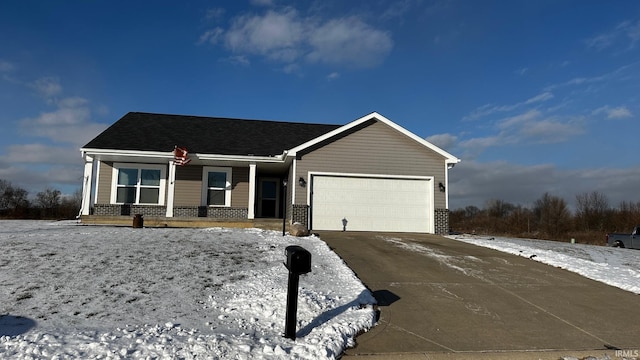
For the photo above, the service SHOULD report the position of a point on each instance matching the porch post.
(252, 190)
(86, 185)
(171, 188)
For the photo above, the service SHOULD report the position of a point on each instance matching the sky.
(533, 96)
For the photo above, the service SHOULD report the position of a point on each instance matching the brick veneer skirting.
(442, 221)
(126, 210)
(178, 211)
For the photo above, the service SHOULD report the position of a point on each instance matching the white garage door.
(371, 204)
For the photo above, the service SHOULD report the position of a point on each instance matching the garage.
(369, 203)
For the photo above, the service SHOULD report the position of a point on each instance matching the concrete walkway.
(443, 299)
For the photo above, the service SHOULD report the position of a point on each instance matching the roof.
(139, 131)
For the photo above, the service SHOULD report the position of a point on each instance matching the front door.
(268, 198)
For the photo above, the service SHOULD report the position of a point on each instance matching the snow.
(614, 266)
(97, 292)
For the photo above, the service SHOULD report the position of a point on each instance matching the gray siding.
(377, 149)
(188, 186)
(104, 183)
(240, 187)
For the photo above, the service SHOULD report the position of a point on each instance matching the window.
(216, 186)
(138, 184)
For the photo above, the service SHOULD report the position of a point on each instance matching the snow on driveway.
(97, 292)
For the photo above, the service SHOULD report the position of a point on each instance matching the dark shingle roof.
(161, 132)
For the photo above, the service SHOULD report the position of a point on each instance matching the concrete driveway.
(440, 298)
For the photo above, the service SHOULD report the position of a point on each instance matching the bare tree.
(13, 197)
(49, 201)
(592, 210)
(553, 215)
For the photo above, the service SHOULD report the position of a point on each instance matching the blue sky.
(533, 96)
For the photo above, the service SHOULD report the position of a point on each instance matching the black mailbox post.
(298, 261)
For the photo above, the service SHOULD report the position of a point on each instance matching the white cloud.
(490, 109)
(70, 122)
(520, 119)
(443, 141)
(214, 13)
(522, 71)
(212, 36)
(237, 60)
(627, 34)
(276, 35)
(284, 35)
(549, 131)
(474, 146)
(619, 112)
(333, 76)
(349, 41)
(539, 98)
(47, 87)
(43, 154)
(397, 9)
(530, 127)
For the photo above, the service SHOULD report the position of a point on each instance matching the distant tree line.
(47, 204)
(549, 218)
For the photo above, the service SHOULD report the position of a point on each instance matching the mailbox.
(298, 262)
(298, 259)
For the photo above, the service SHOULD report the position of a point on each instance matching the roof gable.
(138, 131)
(361, 123)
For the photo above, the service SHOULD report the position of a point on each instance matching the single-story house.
(368, 175)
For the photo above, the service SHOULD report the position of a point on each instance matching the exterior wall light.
(302, 182)
(441, 186)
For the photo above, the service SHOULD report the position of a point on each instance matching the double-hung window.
(216, 186)
(138, 184)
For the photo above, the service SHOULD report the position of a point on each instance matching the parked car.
(631, 241)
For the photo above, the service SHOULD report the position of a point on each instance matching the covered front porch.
(238, 192)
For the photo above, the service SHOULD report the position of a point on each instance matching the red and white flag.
(181, 156)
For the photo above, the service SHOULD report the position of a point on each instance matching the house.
(368, 175)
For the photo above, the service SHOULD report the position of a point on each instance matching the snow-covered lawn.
(95, 292)
(613, 266)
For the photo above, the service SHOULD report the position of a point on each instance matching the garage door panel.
(371, 204)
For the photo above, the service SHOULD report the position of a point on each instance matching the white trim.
(164, 157)
(363, 175)
(446, 186)
(252, 191)
(137, 153)
(268, 159)
(171, 188)
(294, 182)
(205, 181)
(375, 116)
(86, 186)
(139, 166)
(98, 163)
